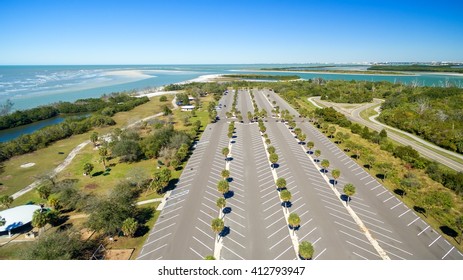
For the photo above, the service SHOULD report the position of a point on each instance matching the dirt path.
(72, 155)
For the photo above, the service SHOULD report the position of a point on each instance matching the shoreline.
(335, 73)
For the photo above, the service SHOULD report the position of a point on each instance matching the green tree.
(383, 133)
(273, 159)
(459, 226)
(331, 130)
(225, 152)
(217, 226)
(221, 203)
(163, 98)
(285, 196)
(6, 201)
(349, 191)
(385, 168)
(44, 191)
(294, 221)
(317, 153)
(370, 160)
(281, 183)
(325, 164)
(310, 145)
(166, 110)
(103, 152)
(39, 219)
(94, 137)
(302, 137)
(225, 174)
(161, 179)
(340, 136)
(441, 200)
(53, 201)
(223, 187)
(88, 168)
(129, 227)
(271, 150)
(336, 174)
(306, 250)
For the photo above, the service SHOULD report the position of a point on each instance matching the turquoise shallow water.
(31, 86)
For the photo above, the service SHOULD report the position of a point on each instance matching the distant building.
(187, 108)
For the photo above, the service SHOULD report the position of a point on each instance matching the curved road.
(354, 115)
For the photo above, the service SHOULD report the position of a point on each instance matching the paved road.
(397, 229)
(354, 115)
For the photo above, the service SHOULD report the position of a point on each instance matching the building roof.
(17, 216)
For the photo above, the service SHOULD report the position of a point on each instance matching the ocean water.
(31, 86)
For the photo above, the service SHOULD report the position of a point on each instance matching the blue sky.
(196, 32)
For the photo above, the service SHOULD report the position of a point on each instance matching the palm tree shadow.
(225, 231)
(287, 204)
(345, 198)
(226, 210)
(230, 179)
(228, 194)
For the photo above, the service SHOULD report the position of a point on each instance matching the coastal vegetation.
(418, 68)
(71, 126)
(263, 77)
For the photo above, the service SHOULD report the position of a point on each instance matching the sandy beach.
(161, 91)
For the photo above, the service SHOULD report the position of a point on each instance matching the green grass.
(15, 178)
(367, 113)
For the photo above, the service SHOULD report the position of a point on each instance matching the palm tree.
(39, 219)
(317, 153)
(294, 221)
(306, 250)
(103, 152)
(325, 164)
(6, 201)
(271, 150)
(370, 160)
(223, 187)
(209, 258)
(94, 138)
(281, 183)
(221, 203)
(336, 173)
(331, 130)
(285, 195)
(310, 145)
(217, 226)
(273, 159)
(302, 137)
(349, 190)
(44, 191)
(225, 152)
(225, 174)
(129, 227)
(88, 167)
(459, 226)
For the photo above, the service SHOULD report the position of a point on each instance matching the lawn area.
(13, 178)
(100, 183)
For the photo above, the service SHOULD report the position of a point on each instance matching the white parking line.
(381, 193)
(404, 213)
(158, 248)
(304, 213)
(274, 245)
(205, 233)
(233, 252)
(262, 190)
(375, 187)
(447, 253)
(229, 238)
(158, 223)
(235, 222)
(164, 236)
(197, 253)
(361, 179)
(207, 214)
(435, 240)
(397, 248)
(283, 252)
(272, 214)
(388, 199)
(358, 255)
(422, 230)
(164, 213)
(274, 222)
(275, 232)
(320, 254)
(308, 233)
(154, 232)
(396, 205)
(361, 248)
(370, 182)
(202, 243)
